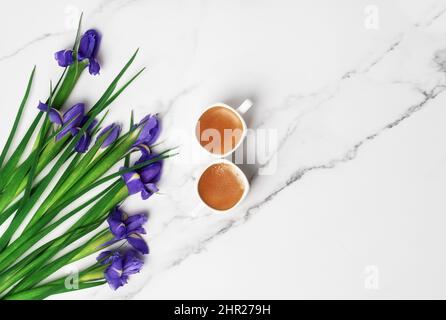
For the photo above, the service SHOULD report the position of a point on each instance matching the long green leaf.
(17, 119)
(14, 251)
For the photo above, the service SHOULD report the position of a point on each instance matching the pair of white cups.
(242, 109)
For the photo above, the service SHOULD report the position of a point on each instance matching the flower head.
(71, 122)
(144, 179)
(112, 131)
(121, 266)
(88, 50)
(129, 228)
(64, 58)
(136, 185)
(152, 172)
(84, 142)
(150, 130)
(89, 45)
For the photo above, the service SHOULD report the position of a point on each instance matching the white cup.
(242, 109)
(240, 174)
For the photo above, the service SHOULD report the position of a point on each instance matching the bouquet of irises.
(70, 171)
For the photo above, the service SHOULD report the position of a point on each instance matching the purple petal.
(42, 106)
(83, 143)
(64, 57)
(138, 243)
(108, 256)
(114, 274)
(75, 131)
(134, 223)
(145, 150)
(75, 115)
(55, 116)
(114, 283)
(116, 225)
(93, 67)
(151, 173)
(133, 182)
(113, 132)
(145, 194)
(66, 130)
(89, 45)
(150, 131)
(151, 187)
(131, 263)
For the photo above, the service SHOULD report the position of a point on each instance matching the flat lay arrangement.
(222, 150)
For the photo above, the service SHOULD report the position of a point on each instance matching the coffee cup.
(222, 186)
(221, 129)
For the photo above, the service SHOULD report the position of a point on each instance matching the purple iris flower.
(130, 228)
(72, 121)
(113, 132)
(121, 266)
(88, 49)
(152, 172)
(89, 45)
(150, 130)
(135, 185)
(84, 142)
(64, 57)
(107, 257)
(144, 180)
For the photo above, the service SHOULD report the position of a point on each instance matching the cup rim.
(241, 174)
(242, 138)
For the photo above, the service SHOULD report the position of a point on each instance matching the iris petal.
(64, 58)
(113, 132)
(74, 116)
(83, 143)
(117, 226)
(121, 266)
(150, 130)
(93, 67)
(43, 107)
(55, 116)
(135, 222)
(133, 182)
(89, 44)
(138, 243)
(131, 263)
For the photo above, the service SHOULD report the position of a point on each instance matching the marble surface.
(354, 91)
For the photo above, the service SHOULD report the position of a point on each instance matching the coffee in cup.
(222, 185)
(221, 129)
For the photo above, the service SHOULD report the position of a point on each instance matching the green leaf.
(132, 123)
(26, 240)
(9, 167)
(102, 102)
(87, 223)
(17, 119)
(95, 244)
(45, 291)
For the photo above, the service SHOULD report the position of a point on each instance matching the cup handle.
(245, 106)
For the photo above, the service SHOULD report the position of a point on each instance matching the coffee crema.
(220, 186)
(219, 130)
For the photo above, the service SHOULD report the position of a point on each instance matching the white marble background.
(356, 208)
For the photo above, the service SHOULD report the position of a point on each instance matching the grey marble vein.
(351, 153)
(29, 44)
